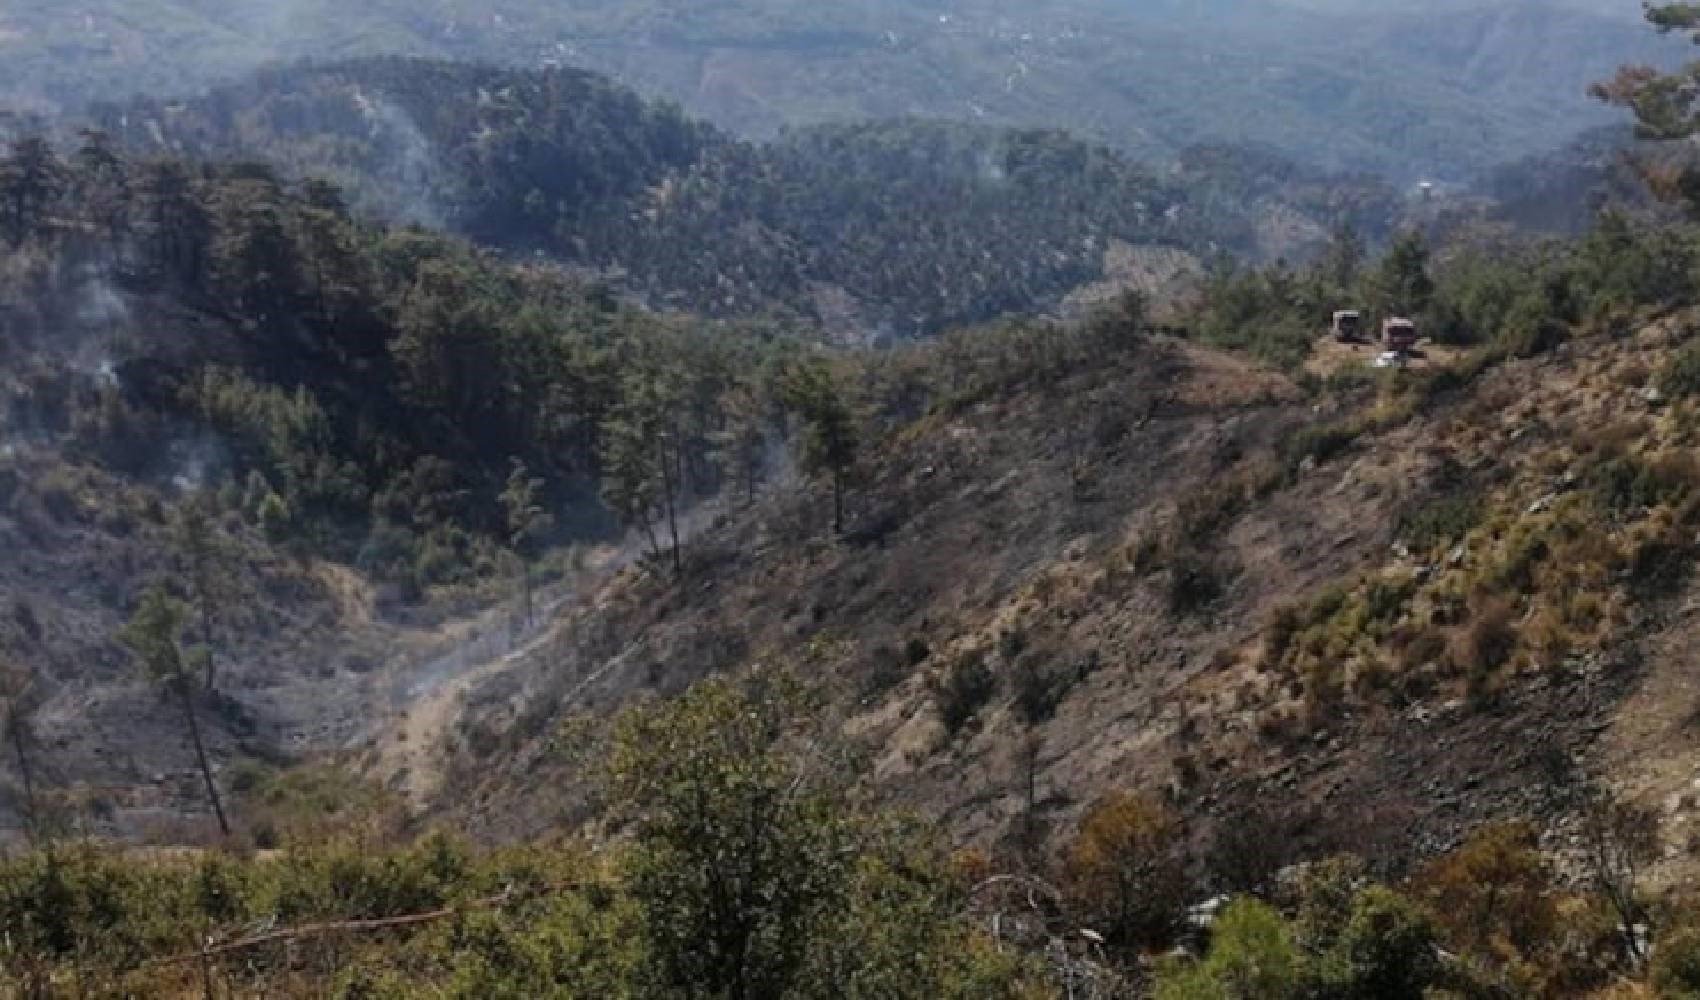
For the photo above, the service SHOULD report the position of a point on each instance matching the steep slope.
(1157, 567)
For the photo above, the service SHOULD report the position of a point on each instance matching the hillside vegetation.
(893, 228)
(551, 605)
(1100, 602)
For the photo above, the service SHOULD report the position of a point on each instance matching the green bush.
(1321, 443)
(1676, 965)
(1252, 955)
(1388, 948)
(1441, 521)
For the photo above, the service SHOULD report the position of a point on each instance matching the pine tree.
(102, 180)
(1666, 106)
(629, 482)
(205, 565)
(254, 257)
(1342, 261)
(153, 637)
(644, 467)
(741, 444)
(178, 226)
(527, 523)
(830, 445)
(1401, 286)
(32, 179)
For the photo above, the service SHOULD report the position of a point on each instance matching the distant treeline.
(902, 226)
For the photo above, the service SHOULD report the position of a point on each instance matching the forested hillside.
(898, 228)
(1399, 89)
(367, 387)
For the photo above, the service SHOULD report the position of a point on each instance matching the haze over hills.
(1398, 88)
(883, 228)
(582, 551)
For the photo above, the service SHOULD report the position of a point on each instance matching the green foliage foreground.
(751, 872)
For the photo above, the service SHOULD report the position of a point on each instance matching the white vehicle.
(1390, 359)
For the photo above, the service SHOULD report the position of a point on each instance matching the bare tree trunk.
(201, 753)
(14, 725)
(837, 502)
(525, 590)
(669, 489)
(207, 632)
(207, 989)
(649, 533)
(198, 572)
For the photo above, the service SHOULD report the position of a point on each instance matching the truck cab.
(1347, 326)
(1399, 334)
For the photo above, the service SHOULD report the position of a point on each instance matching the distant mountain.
(1400, 88)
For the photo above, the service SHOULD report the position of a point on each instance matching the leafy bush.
(1124, 874)
(1252, 955)
(1626, 482)
(1385, 597)
(1388, 947)
(1660, 564)
(1442, 520)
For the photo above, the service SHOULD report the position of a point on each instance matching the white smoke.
(411, 165)
(198, 463)
(99, 306)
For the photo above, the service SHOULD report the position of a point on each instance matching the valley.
(474, 529)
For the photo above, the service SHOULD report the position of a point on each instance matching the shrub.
(1124, 875)
(1530, 329)
(1283, 626)
(1496, 888)
(1442, 520)
(1384, 598)
(1320, 443)
(1039, 689)
(1205, 512)
(1488, 642)
(1251, 955)
(1681, 375)
(964, 689)
(886, 669)
(1626, 482)
(1676, 965)
(1421, 649)
(1660, 564)
(1388, 948)
(1196, 580)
